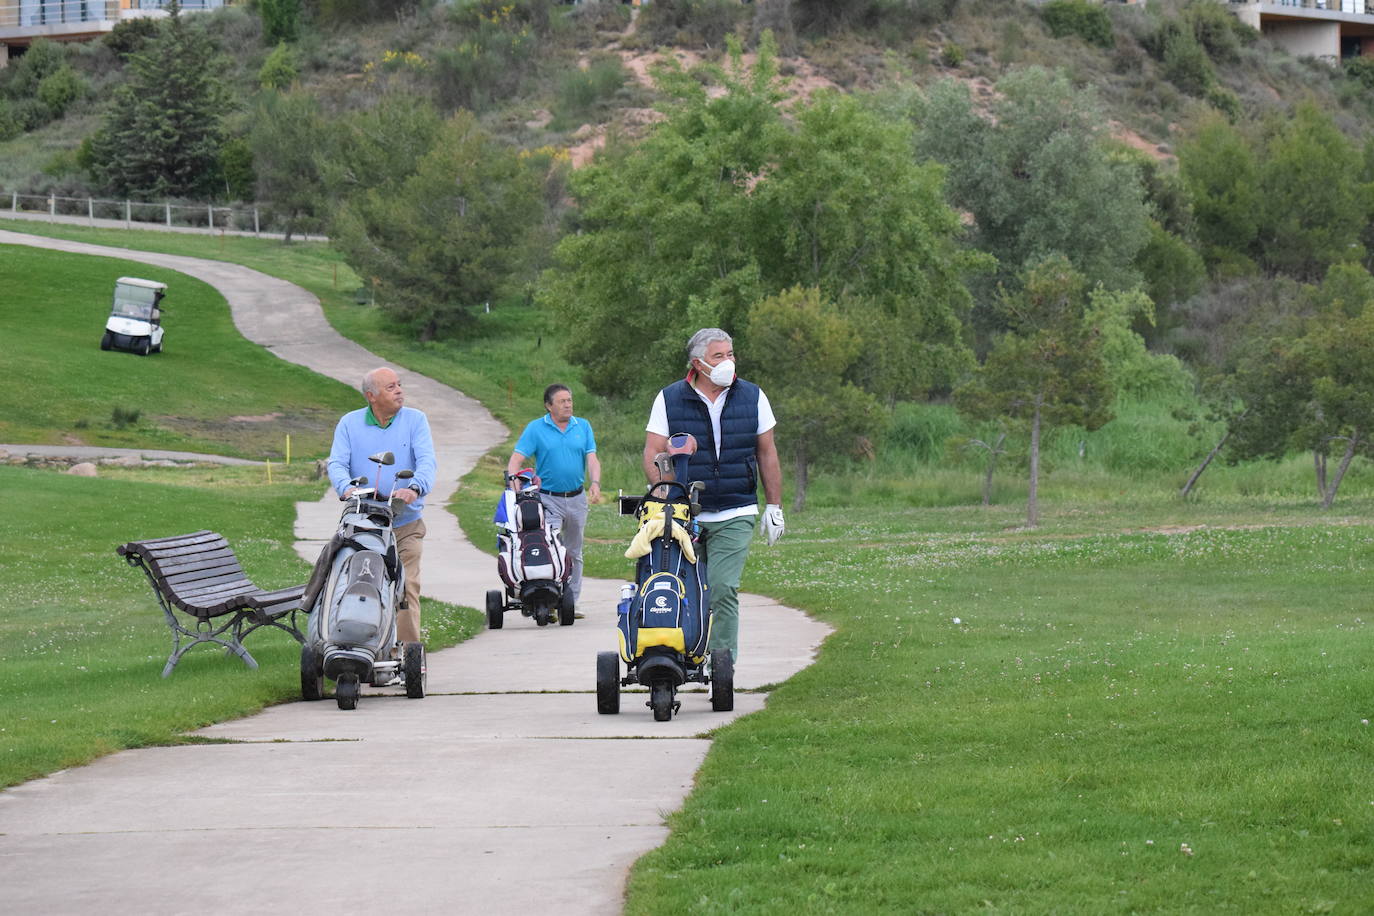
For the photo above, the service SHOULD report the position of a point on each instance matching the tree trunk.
(1188, 487)
(992, 466)
(1319, 465)
(1032, 501)
(1351, 444)
(799, 490)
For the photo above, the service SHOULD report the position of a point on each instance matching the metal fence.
(184, 216)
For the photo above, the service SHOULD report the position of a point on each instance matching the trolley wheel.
(722, 680)
(566, 609)
(312, 674)
(416, 670)
(542, 615)
(496, 612)
(107, 341)
(608, 683)
(347, 691)
(661, 700)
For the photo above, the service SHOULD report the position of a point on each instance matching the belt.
(564, 495)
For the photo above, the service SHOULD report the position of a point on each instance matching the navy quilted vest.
(732, 479)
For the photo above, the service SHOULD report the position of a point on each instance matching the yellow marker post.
(288, 448)
(269, 472)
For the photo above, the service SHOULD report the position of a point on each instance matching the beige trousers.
(409, 544)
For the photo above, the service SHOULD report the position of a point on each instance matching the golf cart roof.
(147, 284)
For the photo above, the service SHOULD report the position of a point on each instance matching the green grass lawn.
(1120, 720)
(1145, 705)
(209, 390)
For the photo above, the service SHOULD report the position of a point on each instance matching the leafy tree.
(1048, 369)
(162, 134)
(1221, 171)
(285, 151)
(447, 236)
(804, 348)
(59, 89)
(1037, 178)
(281, 20)
(236, 167)
(726, 204)
(1313, 205)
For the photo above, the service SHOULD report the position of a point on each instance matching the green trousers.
(726, 548)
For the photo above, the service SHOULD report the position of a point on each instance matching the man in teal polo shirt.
(387, 425)
(564, 451)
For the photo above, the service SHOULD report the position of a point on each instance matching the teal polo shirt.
(560, 455)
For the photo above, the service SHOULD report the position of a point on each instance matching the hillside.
(543, 74)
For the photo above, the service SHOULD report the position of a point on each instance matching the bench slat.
(189, 577)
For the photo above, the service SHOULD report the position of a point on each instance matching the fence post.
(210, 212)
(168, 206)
(255, 221)
(14, 201)
(128, 217)
(52, 208)
(90, 210)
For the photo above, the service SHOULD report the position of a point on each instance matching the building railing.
(246, 220)
(37, 13)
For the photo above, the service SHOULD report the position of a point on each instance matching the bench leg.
(206, 632)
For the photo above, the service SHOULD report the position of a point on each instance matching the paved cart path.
(501, 792)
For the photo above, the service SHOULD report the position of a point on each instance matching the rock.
(84, 469)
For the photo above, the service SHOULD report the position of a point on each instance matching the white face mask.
(722, 373)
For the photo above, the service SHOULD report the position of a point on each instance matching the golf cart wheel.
(312, 674)
(144, 346)
(661, 700)
(608, 683)
(722, 680)
(347, 691)
(107, 341)
(566, 609)
(416, 670)
(496, 614)
(158, 347)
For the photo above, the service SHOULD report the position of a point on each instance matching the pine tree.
(162, 135)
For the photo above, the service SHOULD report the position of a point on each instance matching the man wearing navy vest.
(564, 450)
(733, 425)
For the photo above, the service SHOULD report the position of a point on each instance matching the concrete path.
(97, 452)
(501, 792)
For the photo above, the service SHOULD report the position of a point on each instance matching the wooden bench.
(199, 575)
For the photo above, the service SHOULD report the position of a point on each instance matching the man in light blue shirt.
(387, 425)
(564, 451)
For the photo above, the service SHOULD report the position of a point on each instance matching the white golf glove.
(773, 525)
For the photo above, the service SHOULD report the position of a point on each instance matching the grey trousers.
(569, 514)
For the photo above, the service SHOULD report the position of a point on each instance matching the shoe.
(578, 615)
(396, 681)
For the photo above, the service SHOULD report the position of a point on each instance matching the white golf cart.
(135, 322)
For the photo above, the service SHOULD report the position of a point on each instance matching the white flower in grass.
(1185, 849)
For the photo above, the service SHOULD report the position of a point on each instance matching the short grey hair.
(369, 385)
(696, 347)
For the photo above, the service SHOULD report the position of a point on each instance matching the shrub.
(281, 20)
(582, 90)
(10, 124)
(42, 59)
(60, 89)
(1086, 20)
(692, 23)
(130, 35)
(280, 69)
(1361, 70)
(236, 165)
(951, 55)
(1187, 65)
